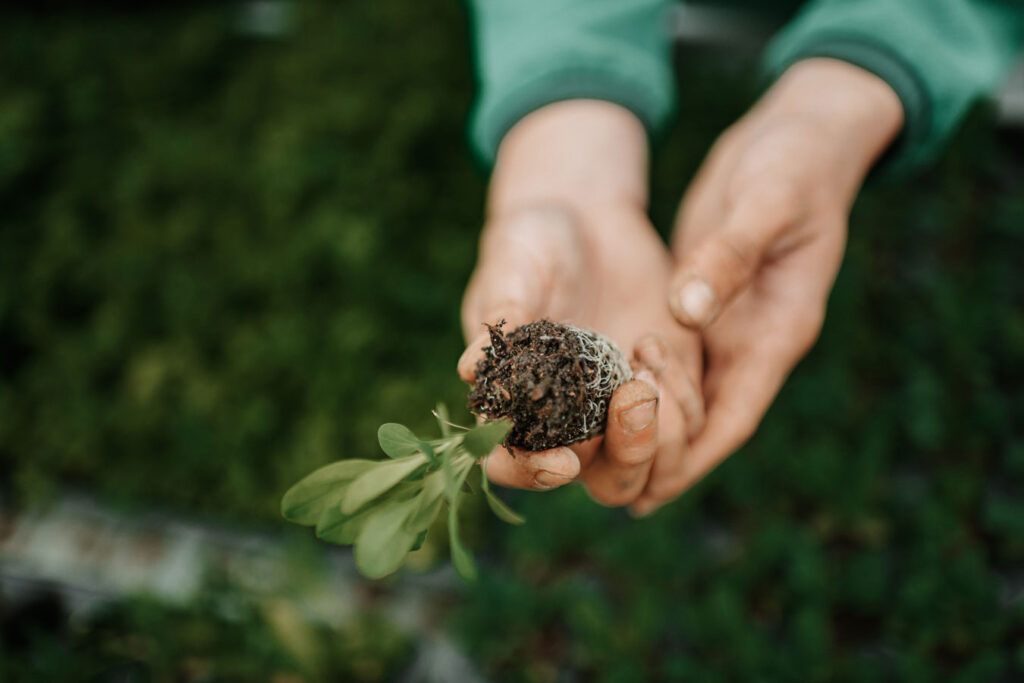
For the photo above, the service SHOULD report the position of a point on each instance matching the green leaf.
(397, 440)
(428, 451)
(330, 522)
(441, 412)
(430, 499)
(337, 527)
(306, 501)
(498, 506)
(460, 556)
(482, 439)
(378, 480)
(455, 468)
(384, 540)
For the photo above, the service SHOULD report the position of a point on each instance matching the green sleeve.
(529, 53)
(938, 55)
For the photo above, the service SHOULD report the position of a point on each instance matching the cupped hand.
(567, 239)
(761, 235)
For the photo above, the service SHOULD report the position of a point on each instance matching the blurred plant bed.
(159, 597)
(221, 637)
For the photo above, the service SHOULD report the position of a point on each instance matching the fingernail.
(696, 301)
(549, 480)
(639, 416)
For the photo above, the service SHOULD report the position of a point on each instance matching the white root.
(612, 372)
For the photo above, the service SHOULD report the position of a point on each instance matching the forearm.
(580, 154)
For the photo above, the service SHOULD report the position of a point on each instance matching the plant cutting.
(543, 385)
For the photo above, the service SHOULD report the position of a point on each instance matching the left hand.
(760, 238)
(567, 238)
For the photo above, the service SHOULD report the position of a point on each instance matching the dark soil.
(538, 376)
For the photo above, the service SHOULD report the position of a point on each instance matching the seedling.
(543, 385)
(384, 507)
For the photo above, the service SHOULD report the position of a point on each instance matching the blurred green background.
(226, 257)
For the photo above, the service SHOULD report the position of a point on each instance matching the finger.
(539, 470)
(630, 442)
(743, 392)
(653, 353)
(714, 270)
(669, 463)
(587, 451)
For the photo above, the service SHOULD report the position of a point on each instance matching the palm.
(761, 235)
(604, 272)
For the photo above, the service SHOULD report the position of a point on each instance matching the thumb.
(529, 267)
(714, 270)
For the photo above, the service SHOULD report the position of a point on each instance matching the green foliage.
(386, 507)
(497, 505)
(224, 261)
(305, 502)
(378, 480)
(398, 441)
(482, 439)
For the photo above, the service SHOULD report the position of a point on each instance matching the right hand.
(567, 239)
(760, 239)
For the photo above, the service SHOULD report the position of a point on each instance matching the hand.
(567, 238)
(761, 235)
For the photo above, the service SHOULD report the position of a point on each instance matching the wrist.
(857, 112)
(582, 154)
